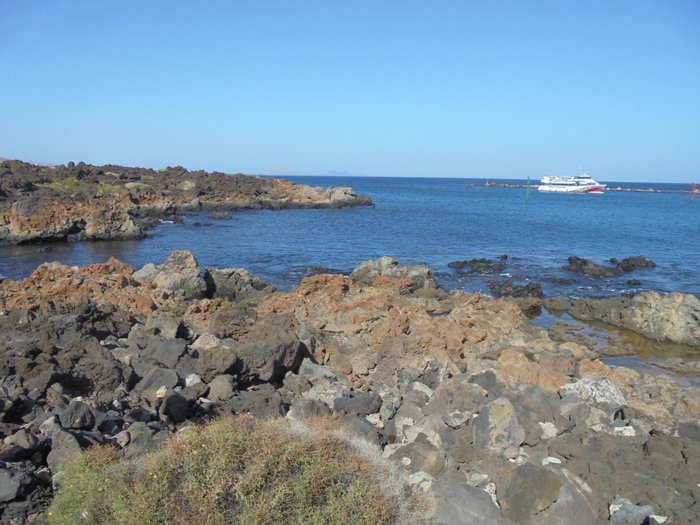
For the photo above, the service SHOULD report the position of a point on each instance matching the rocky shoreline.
(84, 202)
(494, 420)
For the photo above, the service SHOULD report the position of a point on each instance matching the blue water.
(431, 221)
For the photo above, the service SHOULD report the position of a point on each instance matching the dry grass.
(237, 470)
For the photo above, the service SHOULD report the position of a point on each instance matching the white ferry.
(578, 184)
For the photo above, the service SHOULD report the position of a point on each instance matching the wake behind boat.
(578, 184)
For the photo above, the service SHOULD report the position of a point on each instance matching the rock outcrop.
(674, 317)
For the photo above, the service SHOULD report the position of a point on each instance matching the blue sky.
(377, 88)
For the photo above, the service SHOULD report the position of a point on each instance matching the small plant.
(69, 184)
(235, 471)
(103, 189)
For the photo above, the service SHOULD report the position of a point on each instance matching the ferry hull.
(576, 189)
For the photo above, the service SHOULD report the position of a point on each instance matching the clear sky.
(505, 89)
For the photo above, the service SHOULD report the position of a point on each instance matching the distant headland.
(42, 203)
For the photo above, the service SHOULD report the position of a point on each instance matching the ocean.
(432, 221)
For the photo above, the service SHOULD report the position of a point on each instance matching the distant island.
(43, 203)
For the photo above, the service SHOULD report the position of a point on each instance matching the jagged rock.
(77, 415)
(180, 273)
(175, 406)
(263, 402)
(12, 483)
(165, 325)
(417, 278)
(140, 440)
(599, 392)
(165, 351)
(627, 513)
(269, 349)
(586, 267)
(313, 372)
(630, 264)
(158, 377)
(479, 265)
(358, 403)
(215, 361)
(64, 446)
(305, 408)
(509, 289)
(236, 284)
(222, 387)
(146, 273)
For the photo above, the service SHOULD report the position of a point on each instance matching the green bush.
(103, 189)
(236, 470)
(69, 184)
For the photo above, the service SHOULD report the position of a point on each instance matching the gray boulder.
(12, 483)
(497, 430)
(215, 361)
(527, 491)
(156, 377)
(235, 284)
(174, 407)
(77, 415)
(222, 387)
(165, 351)
(420, 276)
(586, 267)
(180, 273)
(601, 393)
(64, 446)
(269, 349)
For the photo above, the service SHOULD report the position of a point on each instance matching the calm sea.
(432, 221)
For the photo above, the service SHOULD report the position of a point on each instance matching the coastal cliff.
(491, 418)
(84, 202)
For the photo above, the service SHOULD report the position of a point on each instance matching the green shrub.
(103, 189)
(69, 184)
(236, 470)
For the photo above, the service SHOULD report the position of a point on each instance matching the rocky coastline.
(493, 419)
(83, 202)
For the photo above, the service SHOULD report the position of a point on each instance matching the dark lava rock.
(64, 446)
(479, 265)
(215, 361)
(235, 284)
(359, 403)
(165, 351)
(175, 407)
(634, 263)
(220, 214)
(587, 267)
(77, 415)
(634, 282)
(263, 402)
(269, 349)
(158, 377)
(509, 289)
